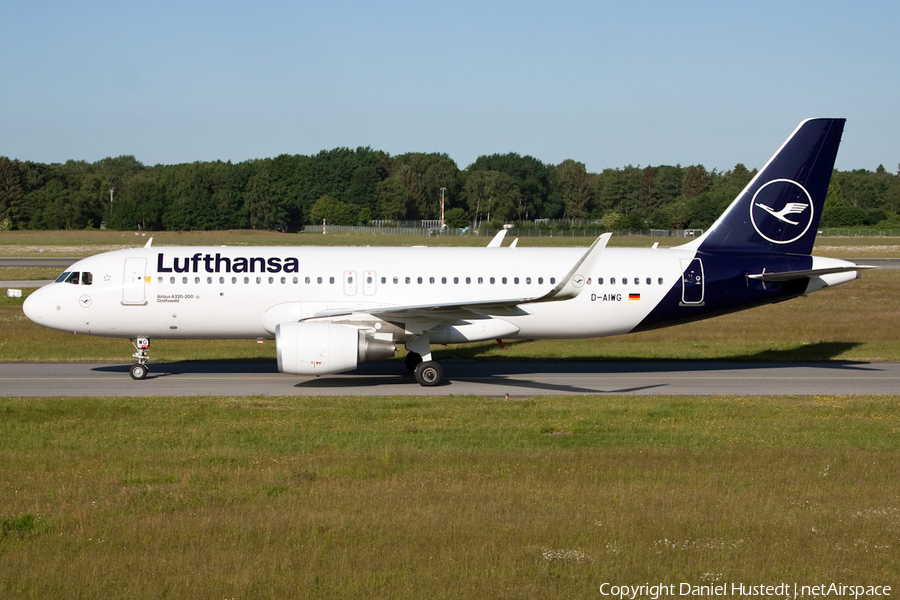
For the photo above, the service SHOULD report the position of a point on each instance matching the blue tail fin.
(780, 208)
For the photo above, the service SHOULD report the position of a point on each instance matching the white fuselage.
(219, 292)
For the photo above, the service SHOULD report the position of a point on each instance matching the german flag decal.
(634, 296)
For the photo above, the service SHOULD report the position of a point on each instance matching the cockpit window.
(73, 278)
(86, 278)
(62, 277)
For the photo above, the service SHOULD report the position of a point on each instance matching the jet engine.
(320, 348)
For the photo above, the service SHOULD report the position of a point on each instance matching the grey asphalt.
(48, 262)
(480, 378)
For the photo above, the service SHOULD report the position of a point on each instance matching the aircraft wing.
(568, 287)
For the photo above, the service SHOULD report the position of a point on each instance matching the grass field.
(87, 243)
(456, 497)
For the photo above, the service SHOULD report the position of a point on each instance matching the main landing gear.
(139, 369)
(427, 372)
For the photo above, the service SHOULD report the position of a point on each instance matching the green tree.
(576, 187)
(423, 175)
(696, 181)
(492, 196)
(538, 197)
(11, 193)
(456, 218)
(262, 202)
(392, 199)
(335, 212)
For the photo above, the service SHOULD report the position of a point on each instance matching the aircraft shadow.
(822, 354)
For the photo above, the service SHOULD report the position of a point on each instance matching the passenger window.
(612, 281)
(196, 280)
(86, 278)
(552, 280)
(184, 280)
(660, 281)
(480, 280)
(284, 280)
(408, 280)
(419, 279)
(599, 281)
(443, 280)
(503, 280)
(350, 279)
(589, 281)
(221, 280)
(396, 280)
(528, 280)
(492, 281)
(384, 280)
(649, 281)
(431, 280)
(73, 278)
(171, 280)
(369, 279)
(637, 281)
(516, 280)
(159, 280)
(331, 280)
(540, 280)
(456, 280)
(296, 279)
(234, 280)
(246, 280)
(468, 280)
(209, 280)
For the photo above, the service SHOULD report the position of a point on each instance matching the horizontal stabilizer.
(806, 274)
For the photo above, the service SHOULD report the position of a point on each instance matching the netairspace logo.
(738, 590)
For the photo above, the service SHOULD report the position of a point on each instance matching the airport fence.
(513, 232)
(560, 231)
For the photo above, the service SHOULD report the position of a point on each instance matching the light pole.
(443, 189)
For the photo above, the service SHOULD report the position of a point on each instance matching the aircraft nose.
(36, 306)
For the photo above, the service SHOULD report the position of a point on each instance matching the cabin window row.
(369, 280)
(86, 280)
(626, 281)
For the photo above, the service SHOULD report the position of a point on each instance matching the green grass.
(17, 273)
(87, 243)
(459, 497)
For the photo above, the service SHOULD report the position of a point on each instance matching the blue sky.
(605, 83)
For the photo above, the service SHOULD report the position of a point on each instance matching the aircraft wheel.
(429, 373)
(138, 371)
(412, 361)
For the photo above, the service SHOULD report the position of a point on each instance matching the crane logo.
(781, 211)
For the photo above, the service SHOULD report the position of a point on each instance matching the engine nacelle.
(321, 348)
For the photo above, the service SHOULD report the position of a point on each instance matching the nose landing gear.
(139, 369)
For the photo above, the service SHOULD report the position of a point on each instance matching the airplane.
(330, 309)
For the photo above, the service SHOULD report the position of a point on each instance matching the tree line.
(349, 187)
